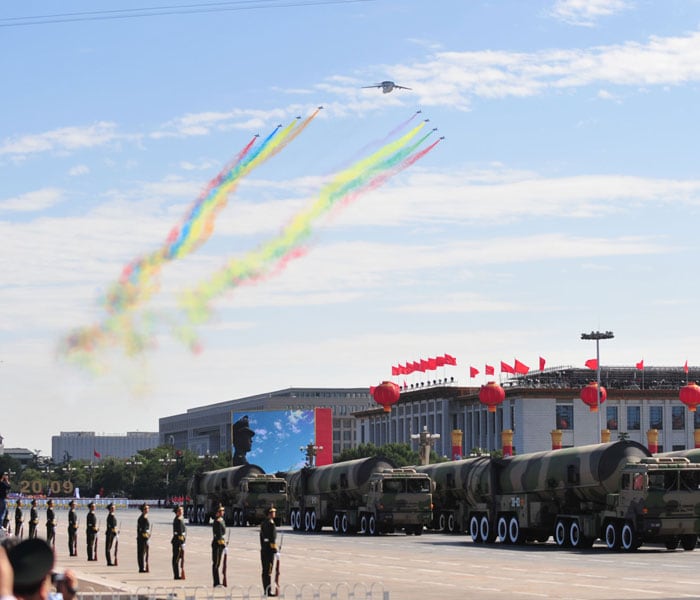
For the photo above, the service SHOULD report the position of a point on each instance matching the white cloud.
(63, 139)
(587, 12)
(79, 170)
(32, 201)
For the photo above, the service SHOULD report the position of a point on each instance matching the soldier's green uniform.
(143, 533)
(33, 519)
(218, 544)
(50, 524)
(268, 549)
(72, 529)
(178, 543)
(91, 530)
(19, 519)
(110, 536)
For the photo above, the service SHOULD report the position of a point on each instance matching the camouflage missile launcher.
(245, 491)
(607, 491)
(368, 495)
(461, 492)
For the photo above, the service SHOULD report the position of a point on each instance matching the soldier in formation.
(111, 536)
(91, 530)
(218, 545)
(143, 533)
(72, 529)
(50, 524)
(33, 519)
(19, 519)
(178, 543)
(268, 549)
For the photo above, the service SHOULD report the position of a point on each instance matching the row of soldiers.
(91, 529)
(268, 538)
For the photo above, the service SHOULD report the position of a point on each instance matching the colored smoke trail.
(139, 279)
(134, 330)
(364, 176)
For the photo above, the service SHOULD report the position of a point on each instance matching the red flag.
(592, 363)
(394, 370)
(416, 366)
(432, 364)
(450, 360)
(685, 366)
(506, 368)
(440, 361)
(542, 363)
(520, 367)
(408, 369)
(640, 365)
(424, 365)
(473, 372)
(97, 454)
(489, 370)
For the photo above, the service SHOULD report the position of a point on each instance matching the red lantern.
(589, 395)
(491, 395)
(387, 394)
(690, 396)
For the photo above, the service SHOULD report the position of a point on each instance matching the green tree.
(400, 454)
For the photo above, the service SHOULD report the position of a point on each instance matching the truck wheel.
(474, 529)
(689, 541)
(442, 522)
(336, 523)
(451, 523)
(344, 525)
(612, 536)
(560, 533)
(297, 519)
(363, 524)
(315, 526)
(514, 534)
(485, 530)
(307, 521)
(372, 525)
(627, 537)
(575, 534)
(502, 530)
(672, 542)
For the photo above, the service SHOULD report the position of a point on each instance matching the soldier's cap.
(144, 506)
(33, 502)
(71, 503)
(220, 507)
(176, 508)
(272, 509)
(49, 502)
(31, 560)
(110, 506)
(91, 504)
(243, 426)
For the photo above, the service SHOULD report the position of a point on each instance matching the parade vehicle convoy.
(245, 492)
(367, 495)
(616, 492)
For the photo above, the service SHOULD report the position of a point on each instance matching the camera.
(56, 577)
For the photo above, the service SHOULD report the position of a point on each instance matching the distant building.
(539, 402)
(23, 455)
(86, 445)
(207, 429)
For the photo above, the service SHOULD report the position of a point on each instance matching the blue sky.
(563, 199)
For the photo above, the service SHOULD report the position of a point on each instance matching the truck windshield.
(263, 487)
(412, 486)
(663, 481)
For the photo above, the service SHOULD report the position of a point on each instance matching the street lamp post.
(597, 336)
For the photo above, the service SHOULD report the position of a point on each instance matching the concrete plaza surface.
(432, 565)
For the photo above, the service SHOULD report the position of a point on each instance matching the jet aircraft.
(387, 86)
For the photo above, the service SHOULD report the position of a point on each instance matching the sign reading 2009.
(36, 486)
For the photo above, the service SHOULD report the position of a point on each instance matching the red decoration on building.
(491, 395)
(387, 394)
(589, 395)
(690, 396)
